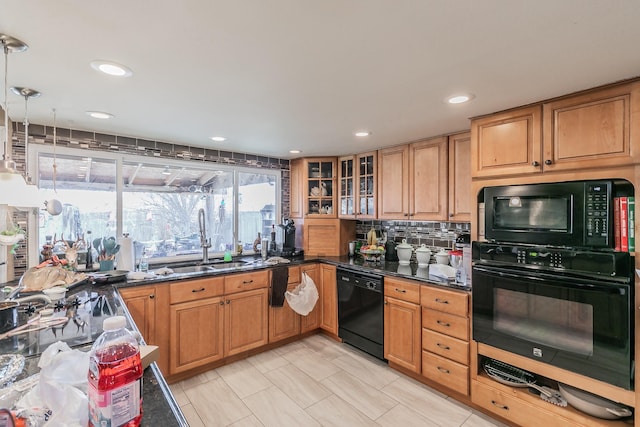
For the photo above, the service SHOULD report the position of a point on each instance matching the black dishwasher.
(361, 310)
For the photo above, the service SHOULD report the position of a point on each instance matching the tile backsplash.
(434, 235)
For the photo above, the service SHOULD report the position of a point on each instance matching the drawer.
(454, 302)
(446, 346)
(192, 290)
(446, 372)
(513, 409)
(446, 323)
(246, 281)
(402, 290)
(294, 275)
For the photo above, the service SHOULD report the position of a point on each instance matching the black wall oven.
(567, 308)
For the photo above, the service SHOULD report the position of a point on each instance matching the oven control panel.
(594, 262)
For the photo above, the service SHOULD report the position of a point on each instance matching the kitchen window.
(155, 201)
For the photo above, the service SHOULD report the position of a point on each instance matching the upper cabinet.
(506, 143)
(412, 181)
(590, 130)
(357, 186)
(296, 171)
(319, 187)
(460, 177)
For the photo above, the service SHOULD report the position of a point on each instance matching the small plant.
(11, 236)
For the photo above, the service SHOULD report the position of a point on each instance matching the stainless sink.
(192, 269)
(227, 265)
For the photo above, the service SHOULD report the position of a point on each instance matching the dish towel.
(279, 281)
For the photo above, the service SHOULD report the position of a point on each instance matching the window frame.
(120, 158)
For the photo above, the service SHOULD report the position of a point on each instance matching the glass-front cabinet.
(320, 187)
(357, 181)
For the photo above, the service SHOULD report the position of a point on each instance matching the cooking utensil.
(516, 377)
(592, 404)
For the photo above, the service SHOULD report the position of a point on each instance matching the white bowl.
(55, 293)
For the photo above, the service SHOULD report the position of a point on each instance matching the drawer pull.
(441, 323)
(247, 282)
(444, 347)
(402, 291)
(442, 301)
(498, 405)
(197, 290)
(444, 371)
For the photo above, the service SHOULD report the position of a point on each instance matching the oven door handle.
(578, 282)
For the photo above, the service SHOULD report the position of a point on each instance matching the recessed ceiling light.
(294, 151)
(111, 68)
(218, 138)
(100, 115)
(362, 133)
(459, 99)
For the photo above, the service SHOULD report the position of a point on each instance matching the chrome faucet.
(205, 243)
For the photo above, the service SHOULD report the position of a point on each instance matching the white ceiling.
(275, 75)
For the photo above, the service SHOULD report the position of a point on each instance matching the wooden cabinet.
(149, 308)
(445, 337)
(246, 321)
(283, 321)
(329, 298)
(296, 172)
(197, 332)
(591, 130)
(319, 187)
(587, 131)
(506, 143)
(460, 177)
(402, 323)
(313, 320)
(357, 186)
(216, 317)
(393, 182)
(412, 181)
(328, 237)
(141, 303)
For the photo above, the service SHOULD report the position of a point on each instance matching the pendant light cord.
(55, 138)
(6, 112)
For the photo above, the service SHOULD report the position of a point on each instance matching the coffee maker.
(285, 244)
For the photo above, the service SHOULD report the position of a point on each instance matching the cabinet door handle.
(442, 301)
(498, 405)
(152, 296)
(247, 282)
(444, 371)
(197, 290)
(228, 301)
(221, 303)
(450, 215)
(406, 214)
(444, 347)
(402, 291)
(535, 163)
(547, 162)
(441, 323)
(385, 302)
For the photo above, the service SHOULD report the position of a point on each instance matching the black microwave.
(573, 214)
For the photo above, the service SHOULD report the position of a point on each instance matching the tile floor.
(317, 382)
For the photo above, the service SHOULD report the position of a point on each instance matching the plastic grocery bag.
(304, 297)
(60, 397)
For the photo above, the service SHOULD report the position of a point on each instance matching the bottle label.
(115, 407)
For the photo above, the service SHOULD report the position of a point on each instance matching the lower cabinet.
(213, 318)
(245, 320)
(313, 320)
(197, 332)
(402, 323)
(445, 337)
(329, 298)
(283, 321)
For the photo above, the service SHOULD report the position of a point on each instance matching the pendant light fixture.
(27, 94)
(14, 190)
(8, 166)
